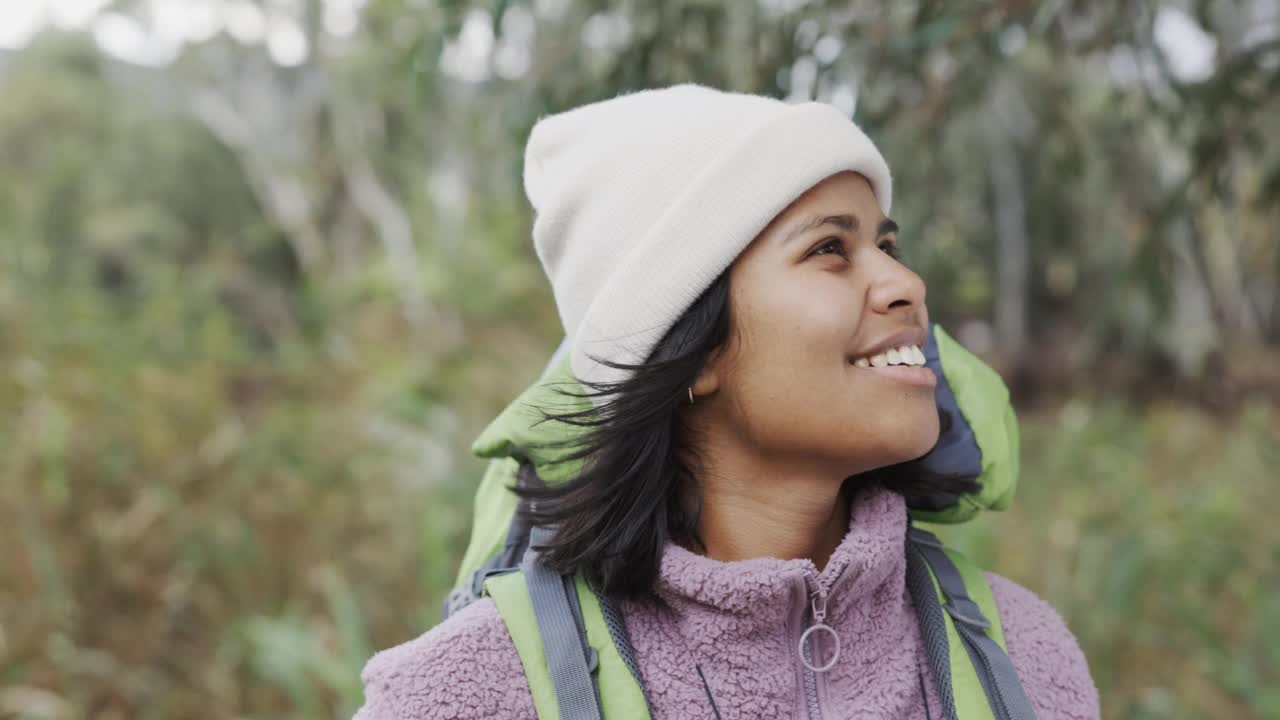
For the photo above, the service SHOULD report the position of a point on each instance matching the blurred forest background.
(265, 273)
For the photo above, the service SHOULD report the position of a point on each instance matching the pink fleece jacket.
(739, 623)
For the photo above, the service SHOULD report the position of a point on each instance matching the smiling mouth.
(905, 364)
(908, 355)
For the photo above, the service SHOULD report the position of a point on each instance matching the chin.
(919, 438)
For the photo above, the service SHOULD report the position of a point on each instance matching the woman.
(729, 275)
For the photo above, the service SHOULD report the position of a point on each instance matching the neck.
(765, 516)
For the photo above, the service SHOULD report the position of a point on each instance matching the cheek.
(796, 360)
(794, 340)
(802, 322)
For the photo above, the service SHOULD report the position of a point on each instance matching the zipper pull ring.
(819, 607)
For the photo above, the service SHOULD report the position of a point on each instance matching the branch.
(391, 221)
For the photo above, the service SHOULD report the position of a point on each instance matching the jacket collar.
(869, 559)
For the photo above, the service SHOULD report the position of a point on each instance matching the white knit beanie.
(642, 200)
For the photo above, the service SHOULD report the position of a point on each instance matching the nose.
(895, 288)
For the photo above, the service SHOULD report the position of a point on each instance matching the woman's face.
(817, 292)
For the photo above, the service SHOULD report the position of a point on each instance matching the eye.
(890, 247)
(832, 242)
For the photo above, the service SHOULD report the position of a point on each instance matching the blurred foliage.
(252, 316)
(1150, 531)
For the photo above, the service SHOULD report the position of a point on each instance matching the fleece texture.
(738, 622)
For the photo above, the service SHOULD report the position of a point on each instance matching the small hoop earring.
(690, 394)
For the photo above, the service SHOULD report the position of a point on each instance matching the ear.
(707, 381)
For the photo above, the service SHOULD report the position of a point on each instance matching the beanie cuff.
(720, 213)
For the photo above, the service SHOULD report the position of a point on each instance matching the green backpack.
(572, 642)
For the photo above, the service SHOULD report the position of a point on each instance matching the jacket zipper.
(811, 694)
(808, 679)
(815, 602)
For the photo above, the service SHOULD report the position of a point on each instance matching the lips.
(911, 375)
(908, 337)
(898, 357)
(910, 355)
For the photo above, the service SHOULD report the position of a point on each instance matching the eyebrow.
(845, 222)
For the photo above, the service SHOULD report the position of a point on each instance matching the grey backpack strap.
(995, 670)
(933, 627)
(570, 660)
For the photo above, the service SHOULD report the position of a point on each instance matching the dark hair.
(640, 464)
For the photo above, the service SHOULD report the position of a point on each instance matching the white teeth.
(905, 355)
